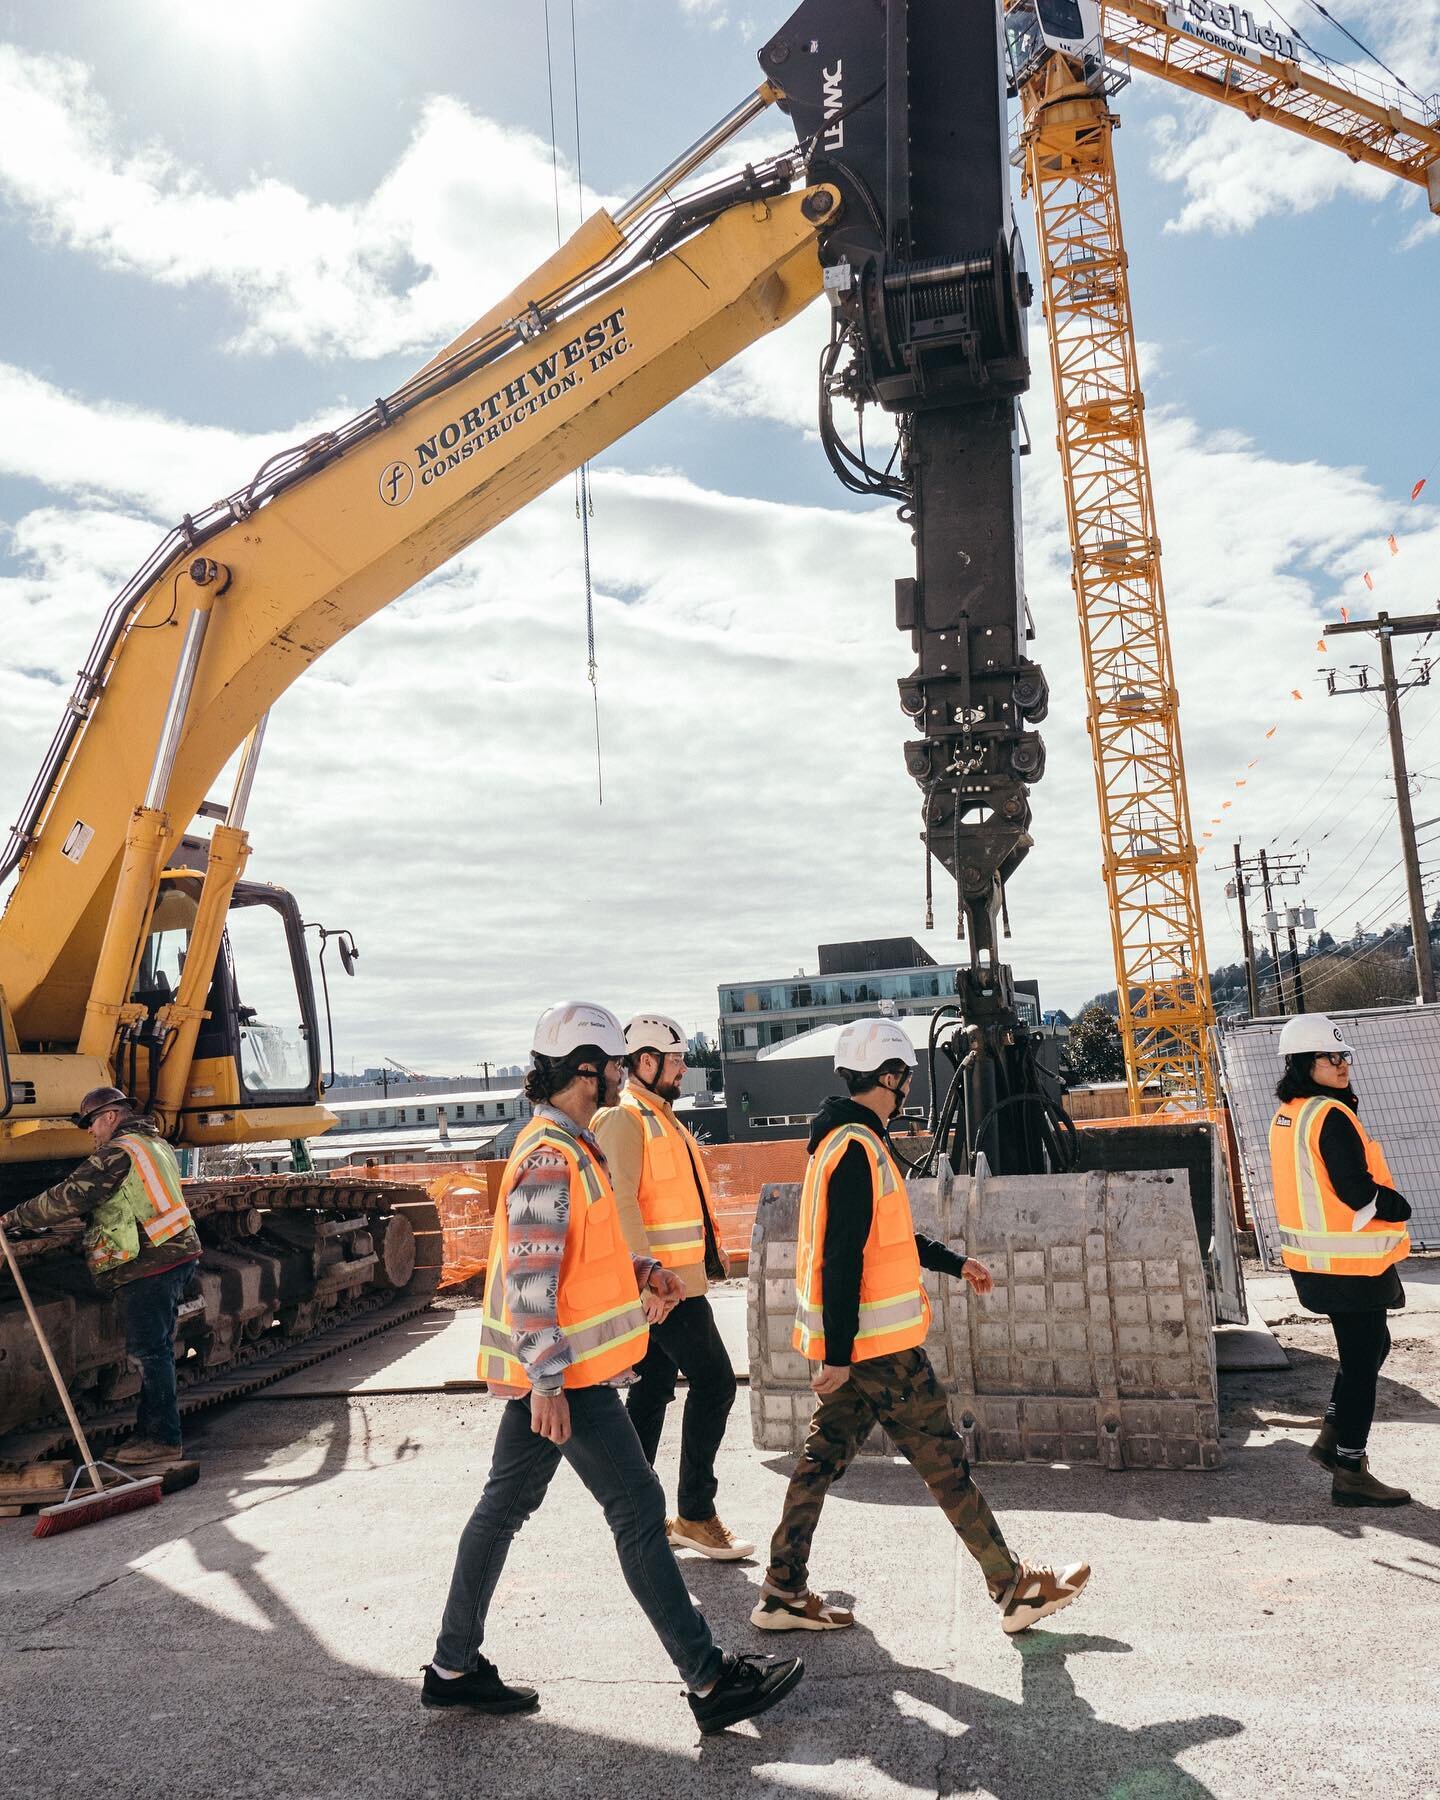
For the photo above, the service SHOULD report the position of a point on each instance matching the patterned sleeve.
(77, 1196)
(539, 1218)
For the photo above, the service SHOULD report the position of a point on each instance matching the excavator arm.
(239, 601)
(900, 206)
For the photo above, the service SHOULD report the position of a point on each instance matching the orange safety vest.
(894, 1309)
(598, 1302)
(673, 1209)
(1317, 1228)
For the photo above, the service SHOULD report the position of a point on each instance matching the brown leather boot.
(1323, 1449)
(1358, 1487)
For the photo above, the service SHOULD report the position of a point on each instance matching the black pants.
(1363, 1339)
(688, 1344)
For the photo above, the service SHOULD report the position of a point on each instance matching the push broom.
(126, 1495)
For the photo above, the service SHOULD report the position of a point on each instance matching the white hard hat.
(573, 1023)
(653, 1031)
(871, 1043)
(1311, 1034)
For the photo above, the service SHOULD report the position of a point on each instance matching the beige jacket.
(621, 1135)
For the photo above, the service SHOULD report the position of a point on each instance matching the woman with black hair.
(1342, 1233)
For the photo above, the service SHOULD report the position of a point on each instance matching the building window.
(459, 1112)
(400, 1116)
(420, 1115)
(364, 1119)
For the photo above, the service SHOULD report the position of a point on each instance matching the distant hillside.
(1375, 968)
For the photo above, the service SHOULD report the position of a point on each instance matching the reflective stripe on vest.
(1316, 1227)
(672, 1209)
(598, 1303)
(154, 1163)
(894, 1309)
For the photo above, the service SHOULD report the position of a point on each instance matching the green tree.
(1094, 1047)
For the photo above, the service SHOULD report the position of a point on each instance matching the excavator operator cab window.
(274, 1037)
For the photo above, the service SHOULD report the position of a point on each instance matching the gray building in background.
(777, 1038)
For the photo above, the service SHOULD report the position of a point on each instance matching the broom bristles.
(69, 1515)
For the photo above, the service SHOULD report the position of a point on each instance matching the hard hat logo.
(576, 1025)
(1312, 1034)
(869, 1044)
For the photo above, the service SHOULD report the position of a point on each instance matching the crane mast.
(1067, 60)
(1133, 706)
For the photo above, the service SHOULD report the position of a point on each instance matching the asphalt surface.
(261, 1634)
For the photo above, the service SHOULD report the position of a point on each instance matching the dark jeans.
(1363, 1339)
(605, 1453)
(148, 1308)
(688, 1344)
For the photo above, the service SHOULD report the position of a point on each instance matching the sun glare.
(246, 27)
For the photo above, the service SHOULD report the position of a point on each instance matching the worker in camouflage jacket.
(141, 1245)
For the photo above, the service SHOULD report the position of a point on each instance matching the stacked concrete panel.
(1095, 1346)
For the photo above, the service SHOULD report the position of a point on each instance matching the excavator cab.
(257, 1052)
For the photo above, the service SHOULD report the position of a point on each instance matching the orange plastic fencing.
(737, 1173)
(464, 1194)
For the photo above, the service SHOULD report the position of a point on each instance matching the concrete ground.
(261, 1634)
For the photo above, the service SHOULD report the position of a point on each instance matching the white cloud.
(164, 465)
(431, 783)
(467, 209)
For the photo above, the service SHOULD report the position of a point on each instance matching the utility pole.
(1279, 871)
(1297, 980)
(1387, 629)
(1240, 889)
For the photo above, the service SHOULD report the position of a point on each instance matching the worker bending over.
(141, 1245)
(664, 1201)
(561, 1327)
(861, 1316)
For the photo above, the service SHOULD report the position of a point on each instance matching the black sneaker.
(482, 1689)
(747, 1685)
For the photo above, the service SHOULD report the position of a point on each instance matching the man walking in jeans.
(663, 1197)
(561, 1327)
(140, 1245)
(861, 1316)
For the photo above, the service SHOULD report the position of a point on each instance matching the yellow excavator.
(132, 949)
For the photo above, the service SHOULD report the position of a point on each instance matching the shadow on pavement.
(1270, 1482)
(1048, 1745)
(236, 1691)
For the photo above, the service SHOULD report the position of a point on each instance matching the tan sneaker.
(1037, 1591)
(709, 1537)
(799, 1612)
(140, 1451)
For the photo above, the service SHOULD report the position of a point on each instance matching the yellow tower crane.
(1068, 59)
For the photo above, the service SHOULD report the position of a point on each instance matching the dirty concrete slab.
(261, 1633)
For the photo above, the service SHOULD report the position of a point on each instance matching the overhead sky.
(225, 225)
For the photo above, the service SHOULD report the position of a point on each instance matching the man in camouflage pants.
(862, 1316)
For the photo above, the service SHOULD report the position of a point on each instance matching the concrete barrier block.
(1099, 1309)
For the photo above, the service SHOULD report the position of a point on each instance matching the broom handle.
(51, 1364)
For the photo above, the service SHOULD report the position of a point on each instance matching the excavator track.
(296, 1268)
